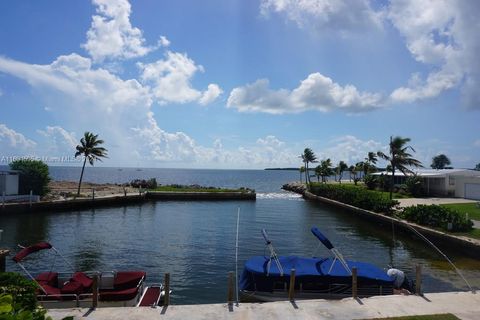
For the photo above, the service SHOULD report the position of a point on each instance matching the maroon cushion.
(118, 295)
(127, 279)
(72, 287)
(50, 291)
(81, 277)
(50, 278)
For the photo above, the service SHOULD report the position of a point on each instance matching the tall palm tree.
(325, 169)
(342, 166)
(399, 158)
(90, 149)
(308, 156)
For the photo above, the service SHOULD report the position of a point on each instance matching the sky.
(239, 84)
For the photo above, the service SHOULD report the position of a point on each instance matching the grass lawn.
(471, 208)
(195, 189)
(394, 195)
(443, 316)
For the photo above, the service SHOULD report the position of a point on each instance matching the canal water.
(195, 241)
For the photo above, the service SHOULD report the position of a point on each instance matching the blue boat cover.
(322, 238)
(314, 267)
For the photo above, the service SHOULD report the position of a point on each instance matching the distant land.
(296, 169)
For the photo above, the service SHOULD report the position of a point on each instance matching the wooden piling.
(291, 289)
(166, 300)
(354, 283)
(3, 255)
(95, 291)
(230, 288)
(418, 280)
(93, 193)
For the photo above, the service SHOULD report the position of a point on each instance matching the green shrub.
(437, 217)
(370, 182)
(34, 176)
(356, 196)
(414, 185)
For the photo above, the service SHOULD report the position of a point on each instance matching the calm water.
(195, 241)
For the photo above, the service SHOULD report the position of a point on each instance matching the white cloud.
(338, 15)
(349, 148)
(443, 35)
(163, 41)
(58, 141)
(211, 94)
(12, 140)
(171, 80)
(316, 92)
(111, 35)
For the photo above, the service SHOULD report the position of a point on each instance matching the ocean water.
(195, 241)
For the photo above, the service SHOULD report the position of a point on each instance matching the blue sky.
(239, 84)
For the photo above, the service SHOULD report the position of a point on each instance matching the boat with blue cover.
(268, 278)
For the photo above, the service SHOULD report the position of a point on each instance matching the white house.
(8, 182)
(460, 183)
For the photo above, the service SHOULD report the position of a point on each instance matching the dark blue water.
(195, 241)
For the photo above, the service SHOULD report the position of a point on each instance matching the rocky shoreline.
(296, 187)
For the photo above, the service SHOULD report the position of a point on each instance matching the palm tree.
(342, 166)
(399, 158)
(325, 169)
(90, 148)
(302, 170)
(308, 156)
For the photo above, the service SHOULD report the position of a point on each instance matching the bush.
(370, 182)
(414, 185)
(34, 176)
(144, 184)
(437, 217)
(356, 196)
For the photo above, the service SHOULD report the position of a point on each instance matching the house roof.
(434, 173)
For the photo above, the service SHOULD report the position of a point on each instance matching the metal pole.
(95, 291)
(140, 191)
(230, 288)
(291, 289)
(30, 198)
(236, 258)
(93, 193)
(166, 300)
(124, 191)
(354, 283)
(418, 280)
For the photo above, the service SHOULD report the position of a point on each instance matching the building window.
(451, 180)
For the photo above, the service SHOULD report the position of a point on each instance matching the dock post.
(124, 191)
(418, 280)
(95, 291)
(291, 289)
(354, 283)
(30, 198)
(93, 193)
(166, 300)
(3, 255)
(230, 288)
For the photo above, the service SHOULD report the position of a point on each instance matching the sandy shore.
(60, 190)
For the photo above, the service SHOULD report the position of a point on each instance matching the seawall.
(468, 246)
(121, 200)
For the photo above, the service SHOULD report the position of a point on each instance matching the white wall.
(460, 184)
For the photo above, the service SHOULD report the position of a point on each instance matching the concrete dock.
(465, 305)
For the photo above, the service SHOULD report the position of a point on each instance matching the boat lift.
(273, 254)
(338, 256)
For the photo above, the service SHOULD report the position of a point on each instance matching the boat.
(268, 278)
(80, 288)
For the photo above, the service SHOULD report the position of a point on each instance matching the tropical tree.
(302, 170)
(90, 149)
(369, 163)
(342, 166)
(325, 169)
(308, 156)
(440, 162)
(399, 158)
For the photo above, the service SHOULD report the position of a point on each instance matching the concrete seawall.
(121, 200)
(468, 246)
(464, 305)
